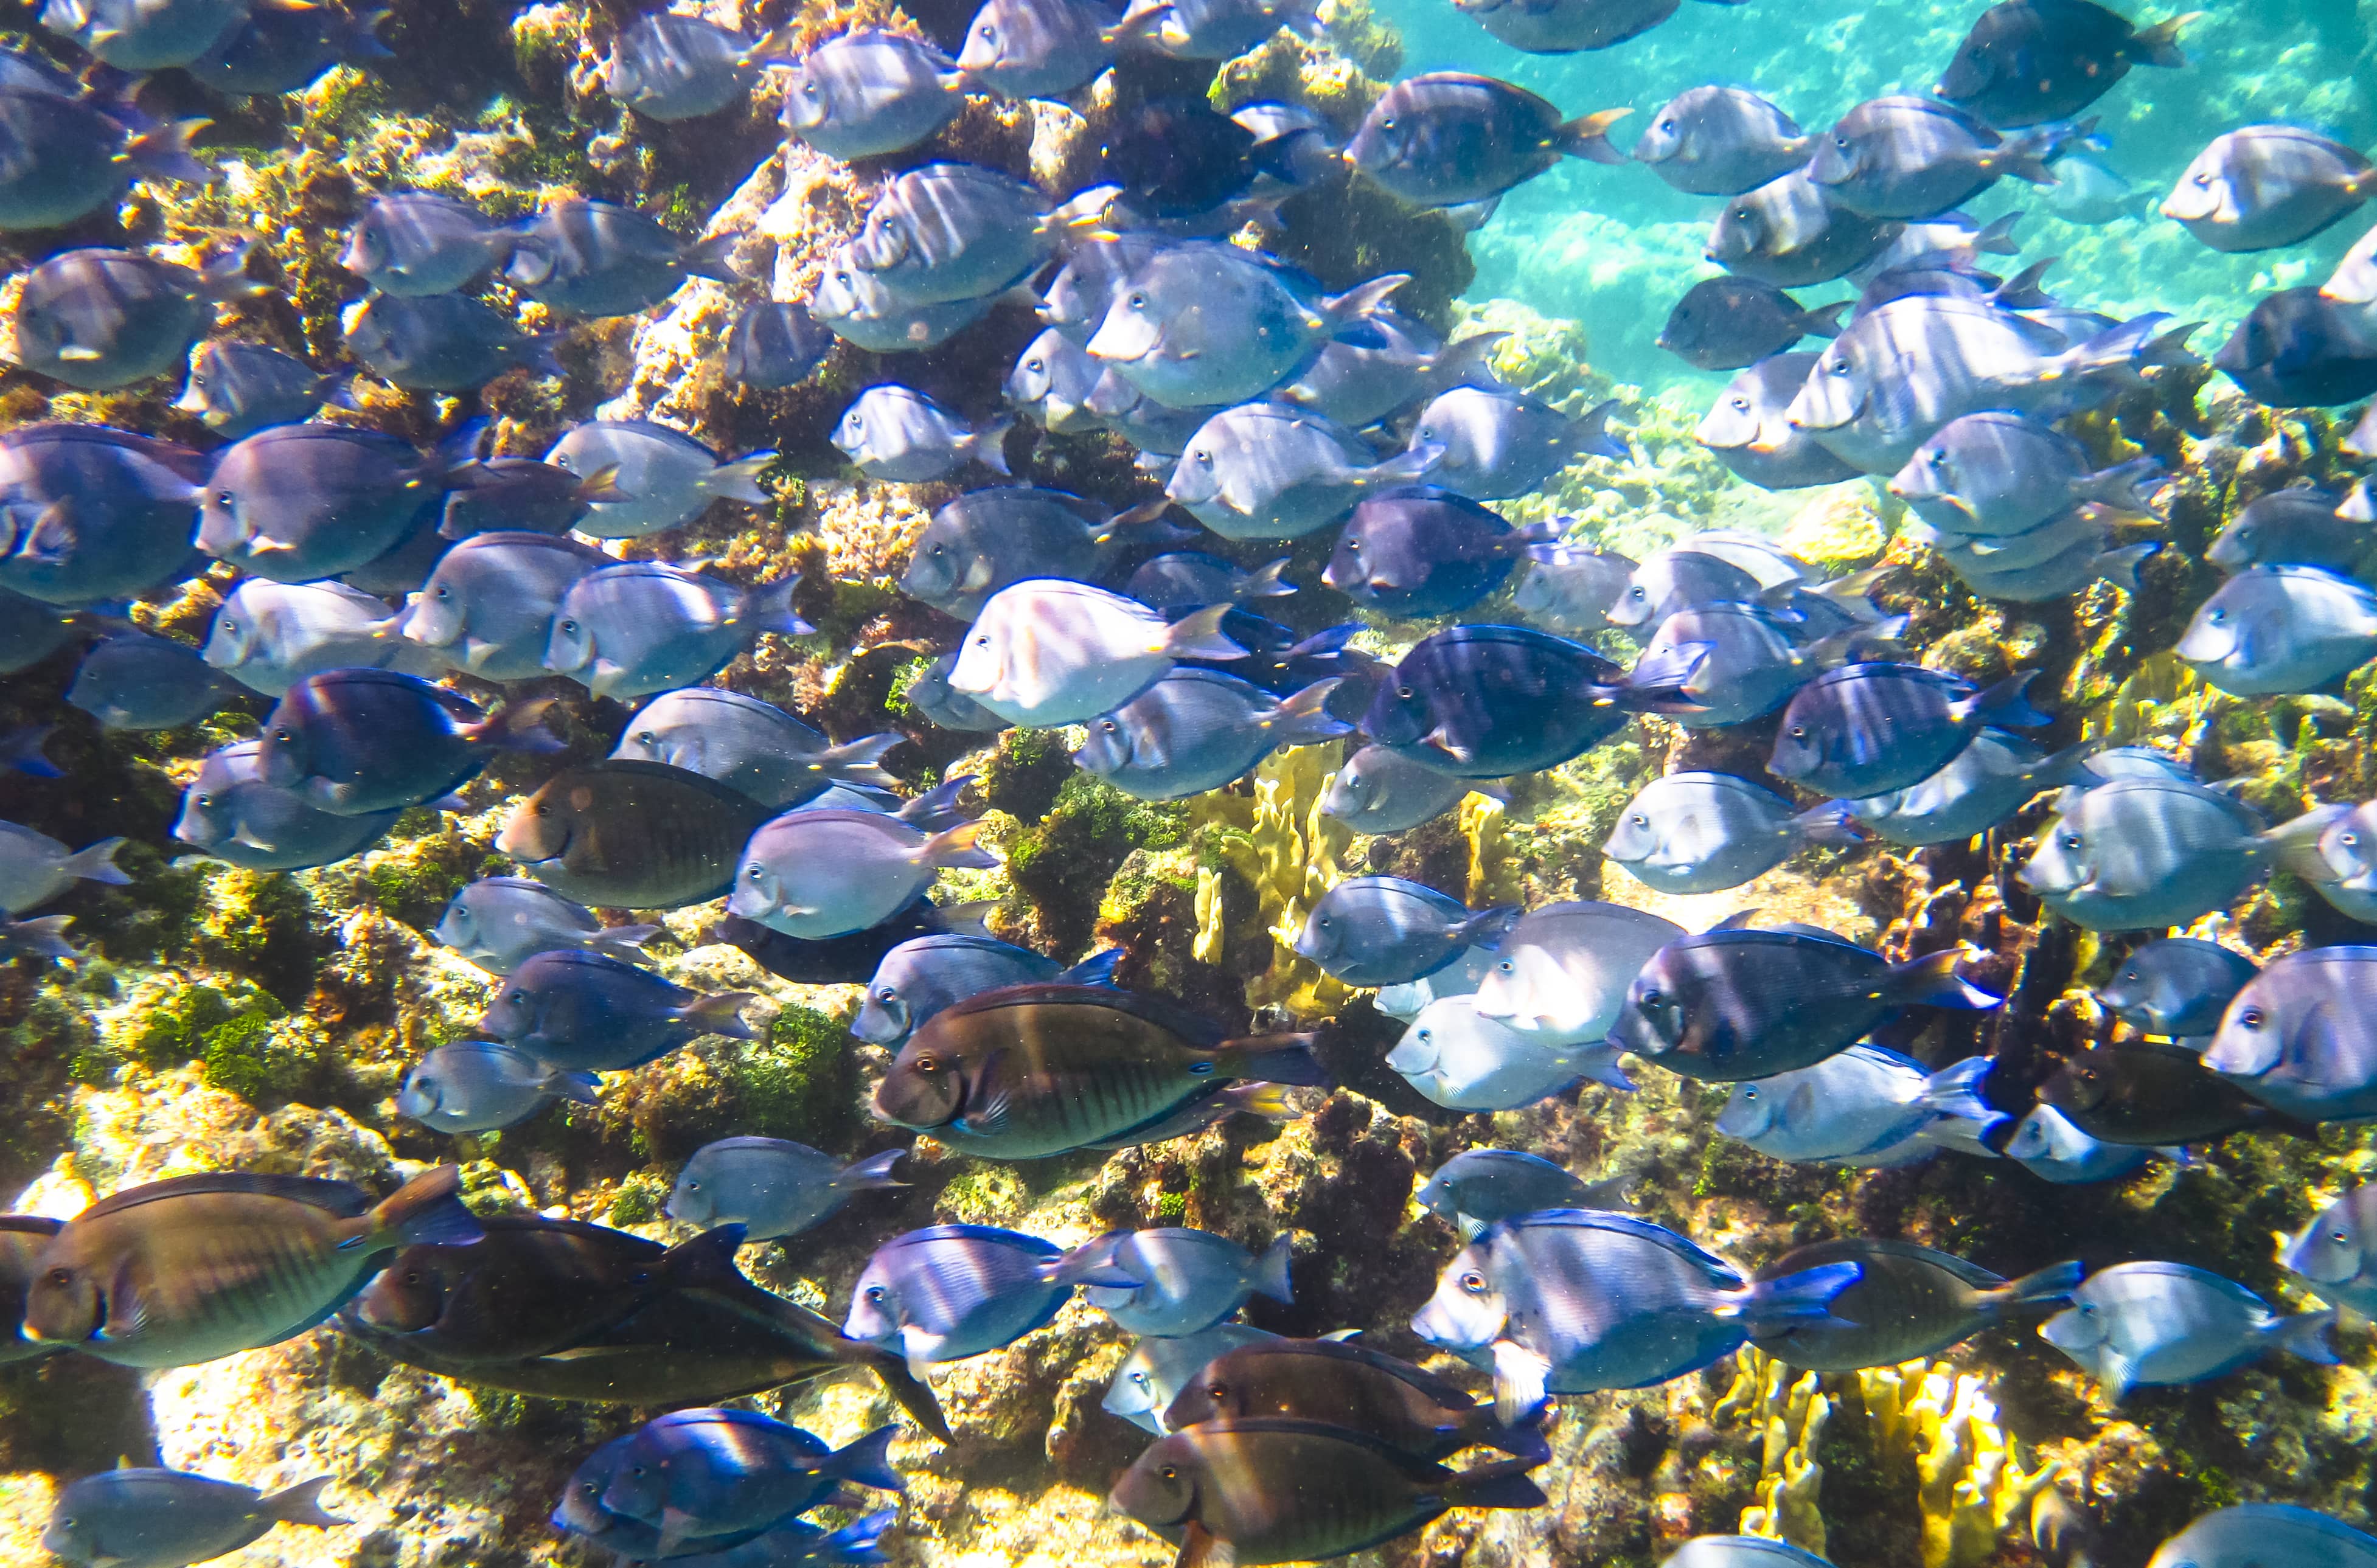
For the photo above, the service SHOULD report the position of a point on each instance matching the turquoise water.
(1612, 247)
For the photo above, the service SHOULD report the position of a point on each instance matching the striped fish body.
(1030, 1071)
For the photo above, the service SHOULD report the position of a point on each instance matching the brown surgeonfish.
(1347, 1385)
(632, 834)
(1271, 1490)
(565, 1310)
(1908, 1303)
(2158, 1095)
(175, 1273)
(23, 1237)
(1028, 1070)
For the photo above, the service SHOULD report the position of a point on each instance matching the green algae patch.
(797, 1083)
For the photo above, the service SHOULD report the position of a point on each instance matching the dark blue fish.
(500, 922)
(2298, 348)
(360, 740)
(1444, 138)
(71, 156)
(1863, 729)
(441, 343)
(521, 495)
(2177, 985)
(101, 320)
(1478, 1186)
(1749, 430)
(595, 258)
(1190, 579)
(950, 1292)
(589, 1013)
(89, 514)
(1489, 702)
(2026, 62)
(1907, 158)
(1385, 931)
(775, 343)
(2300, 525)
(1174, 157)
(152, 1516)
(133, 680)
(1733, 323)
(20, 751)
(238, 388)
(297, 503)
(30, 631)
(1731, 1005)
(925, 975)
(1422, 551)
(476, 1086)
(489, 603)
(284, 48)
(704, 1473)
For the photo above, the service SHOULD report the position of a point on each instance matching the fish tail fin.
(1590, 435)
(1092, 1263)
(1504, 1484)
(855, 762)
(223, 276)
(1521, 1439)
(1954, 1090)
(867, 1462)
(936, 808)
(2047, 1287)
(2120, 567)
(2158, 45)
(1824, 321)
(2004, 705)
(1405, 466)
(768, 607)
(426, 1212)
(739, 480)
(854, 1543)
(536, 351)
(1832, 824)
(2169, 348)
(711, 259)
(96, 862)
(1305, 718)
(519, 727)
(162, 151)
(624, 943)
(46, 936)
(1520, 1381)
(706, 1261)
(1796, 1297)
(2125, 487)
(1932, 981)
(1488, 926)
(1098, 968)
(2118, 348)
(458, 448)
(1359, 301)
(301, 1504)
(952, 848)
(1269, 1101)
(1996, 237)
(1468, 362)
(362, 40)
(986, 445)
(2295, 842)
(1199, 635)
(2025, 157)
(2022, 291)
(21, 749)
(585, 1089)
(602, 484)
(1268, 1277)
(1267, 581)
(1273, 1059)
(721, 1012)
(871, 1174)
(912, 1393)
(1587, 137)
(2305, 1335)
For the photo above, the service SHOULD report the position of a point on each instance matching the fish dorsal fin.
(1738, 920)
(341, 1199)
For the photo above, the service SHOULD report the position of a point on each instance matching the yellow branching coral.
(1292, 853)
(2162, 700)
(1971, 1483)
(1493, 872)
(1793, 1412)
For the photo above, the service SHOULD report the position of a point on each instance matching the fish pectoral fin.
(675, 1526)
(2114, 1370)
(127, 1310)
(988, 1118)
(917, 1345)
(977, 576)
(587, 1354)
(1520, 1379)
(1200, 1548)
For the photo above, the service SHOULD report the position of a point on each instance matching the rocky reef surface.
(215, 1018)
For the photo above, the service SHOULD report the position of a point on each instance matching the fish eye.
(1841, 142)
(1139, 301)
(1840, 367)
(412, 1277)
(1507, 966)
(1473, 1282)
(1404, 693)
(283, 735)
(517, 998)
(811, 89)
(1034, 367)
(982, 642)
(2215, 615)
(876, 1292)
(544, 809)
(1640, 820)
(1388, 124)
(2338, 1237)
(445, 592)
(1668, 126)
(1427, 1034)
(196, 379)
(927, 1065)
(1110, 727)
(2250, 1019)
(1798, 731)
(223, 498)
(1218, 1390)
(1171, 1472)
(61, 1277)
(570, 627)
(204, 800)
(1651, 999)
(1741, 405)
(753, 872)
(2205, 180)
(1748, 1094)
(2071, 840)
(2349, 841)
(856, 422)
(1140, 1378)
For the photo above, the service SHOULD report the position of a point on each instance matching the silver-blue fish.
(771, 1186)
(476, 1086)
(499, 922)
